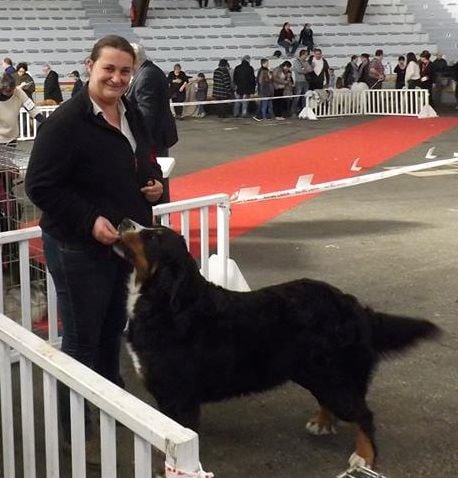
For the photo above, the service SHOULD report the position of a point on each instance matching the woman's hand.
(104, 232)
(153, 190)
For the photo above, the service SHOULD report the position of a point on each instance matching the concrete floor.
(393, 244)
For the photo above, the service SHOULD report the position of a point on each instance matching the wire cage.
(361, 472)
(17, 212)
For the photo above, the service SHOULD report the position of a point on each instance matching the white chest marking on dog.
(133, 294)
(135, 359)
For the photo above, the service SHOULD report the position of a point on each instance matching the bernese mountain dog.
(198, 342)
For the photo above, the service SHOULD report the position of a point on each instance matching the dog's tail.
(392, 333)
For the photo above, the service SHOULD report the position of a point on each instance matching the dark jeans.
(90, 283)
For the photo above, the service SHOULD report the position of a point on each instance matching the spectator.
(363, 69)
(287, 39)
(149, 92)
(412, 75)
(376, 71)
(90, 167)
(281, 77)
(78, 84)
(351, 72)
(301, 68)
(201, 93)
(51, 85)
(178, 81)
(319, 77)
(426, 73)
(203, 3)
(222, 86)
(275, 60)
(265, 90)
(400, 70)
(245, 85)
(8, 66)
(306, 38)
(24, 80)
(12, 99)
(440, 78)
(234, 5)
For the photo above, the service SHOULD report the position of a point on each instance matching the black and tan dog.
(198, 342)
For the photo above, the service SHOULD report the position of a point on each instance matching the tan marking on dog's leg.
(323, 423)
(364, 454)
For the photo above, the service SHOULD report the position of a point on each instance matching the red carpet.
(328, 157)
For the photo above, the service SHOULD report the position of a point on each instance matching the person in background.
(245, 85)
(203, 3)
(89, 168)
(351, 73)
(12, 99)
(363, 69)
(412, 75)
(265, 90)
(426, 73)
(51, 85)
(222, 86)
(301, 68)
(306, 38)
(281, 77)
(178, 81)
(319, 77)
(376, 75)
(440, 79)
(400, 70)
(8, 66)
(149, 92)
(24, 80)
(78, 84)
(201, 93)
(287, 39)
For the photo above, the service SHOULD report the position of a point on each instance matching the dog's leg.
(365, 452)
(323, 423)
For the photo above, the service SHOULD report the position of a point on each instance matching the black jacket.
(51, 87)
(149, 91)
(81, 168)
(244, 78)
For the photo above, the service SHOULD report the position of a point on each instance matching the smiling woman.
(89, 168)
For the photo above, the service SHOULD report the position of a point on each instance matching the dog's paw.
(356, 461)
(315, 427)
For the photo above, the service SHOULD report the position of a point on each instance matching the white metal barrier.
(149, 426)
(343, 102)
(28, 126)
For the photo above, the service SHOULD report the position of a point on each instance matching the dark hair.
(411, 57)
(277, 53)
(177, 65)
(200, 75)
(284, 25)
(223, 62)
(8, 61)
(315, 50)
(264, 61)
(7, 81)
(353, 57)
(286, 63)
(22, 65)
(112, 41)
(75, 73)
(401, 58)
(365, 55)
(378, 52)
(304, 50)
(425, 54)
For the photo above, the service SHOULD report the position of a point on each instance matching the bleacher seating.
(60, 32)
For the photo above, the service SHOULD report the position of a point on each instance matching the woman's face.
(110, 75)
(20, 72)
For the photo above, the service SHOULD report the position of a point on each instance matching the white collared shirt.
(125, 128)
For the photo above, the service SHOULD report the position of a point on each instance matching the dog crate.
(17, 212)
(361, 472)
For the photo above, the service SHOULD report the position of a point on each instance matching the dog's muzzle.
(127, 225)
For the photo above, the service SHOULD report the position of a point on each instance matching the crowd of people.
(231, 5)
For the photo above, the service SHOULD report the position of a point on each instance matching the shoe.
(279, 118)
(202, 115)
(257, 119)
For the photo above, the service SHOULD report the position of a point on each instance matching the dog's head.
(149, 248)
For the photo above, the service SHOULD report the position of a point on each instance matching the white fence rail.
(149, 426)
(343, 102)
(28, 126)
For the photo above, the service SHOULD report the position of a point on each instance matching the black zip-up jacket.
(81, 168)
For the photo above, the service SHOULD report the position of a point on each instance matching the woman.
(12, 99)
(222, 86)
(351, 73)
(178, 81)
(78, 84)
(400, 70)
(287, 39)
(89, 168)
(412, 75)
(306, 38)
(426, 73)
(24, 80)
